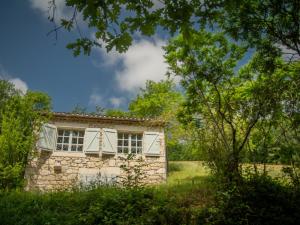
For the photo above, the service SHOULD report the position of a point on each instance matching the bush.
(174, 167)
(99, 206)
(257, 201)
(260, 200)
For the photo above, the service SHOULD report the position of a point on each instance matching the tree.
(228, 104)
(21, 119)
(116, 113)
(100, 111)
(262, 24)
(162, 100)
(288, 124)
(158, 99)
(78, 109)
(7, 90)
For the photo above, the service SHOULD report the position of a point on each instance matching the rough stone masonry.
(65, 159)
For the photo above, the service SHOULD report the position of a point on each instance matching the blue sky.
(32, 60)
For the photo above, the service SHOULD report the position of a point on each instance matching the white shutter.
(48, 136)
(151, 143)
(109, 142)
(91, 143)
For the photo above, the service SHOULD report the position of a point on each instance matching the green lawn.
(186, 172)
(195, 171)
(189, 181)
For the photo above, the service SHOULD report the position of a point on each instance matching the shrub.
(133, 174)
(259, 200)
(174, 167)
(99, 206)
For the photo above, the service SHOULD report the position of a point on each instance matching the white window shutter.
(91, 143)
(151, 143)
(48, 136)
(109, 142)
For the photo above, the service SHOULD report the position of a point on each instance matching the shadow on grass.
(174, 167)
(197, 191)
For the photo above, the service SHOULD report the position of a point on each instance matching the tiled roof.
(108, 118)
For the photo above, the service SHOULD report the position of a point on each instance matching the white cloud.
(117, 102)
(95, 99)
(98, 99)
(62, 11)
(107, 58)
(19, 84)
(105, 101)
(143, 61)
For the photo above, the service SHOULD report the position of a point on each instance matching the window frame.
(69, 144)
(129, 146)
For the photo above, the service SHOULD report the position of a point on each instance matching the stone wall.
(50, 171)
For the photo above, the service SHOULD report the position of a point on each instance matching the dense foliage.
(264, 24)
(21, 118)
(100, 206)
(162, 100)
(259, 200)
(156, 100)
(229, 101)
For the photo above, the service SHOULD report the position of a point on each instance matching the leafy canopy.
(263, 24)
(227, 100)
(156, 100)
(20, 121)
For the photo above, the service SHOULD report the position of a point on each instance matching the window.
(70, 140)
(130, 143)
(136, 143)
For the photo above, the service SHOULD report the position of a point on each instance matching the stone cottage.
(76, 148)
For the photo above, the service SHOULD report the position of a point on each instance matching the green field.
(186, 172)
(196, 171)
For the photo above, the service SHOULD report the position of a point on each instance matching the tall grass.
(196, 171)
(189, 197)
(181, 172)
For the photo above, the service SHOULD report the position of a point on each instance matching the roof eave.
(107, 119)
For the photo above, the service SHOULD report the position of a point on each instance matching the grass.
(184, 172)
(189, 181)
(187, 172)
(273, 170)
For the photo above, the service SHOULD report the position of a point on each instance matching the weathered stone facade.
(57, 170)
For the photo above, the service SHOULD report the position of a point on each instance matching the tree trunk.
(233, 173)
